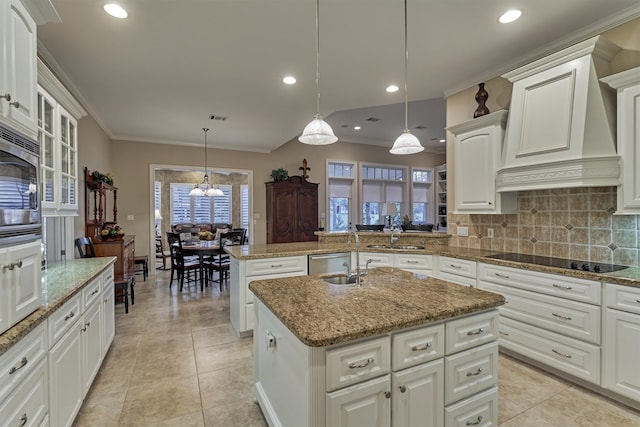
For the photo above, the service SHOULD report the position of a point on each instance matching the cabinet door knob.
(402, 389)
(387, 394)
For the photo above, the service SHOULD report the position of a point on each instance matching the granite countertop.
(390, 299)
(629, 276)
(60, 281)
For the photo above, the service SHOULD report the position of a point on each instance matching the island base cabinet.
(622, 347)
(480, 410)
(365, 404)
(28, 405)
(417, 395)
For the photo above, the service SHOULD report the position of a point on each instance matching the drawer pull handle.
(69, 316)
(568, 288)
(23, 420)
(402, 389)
(13, 265)
(568, 356)
(506, 334)
(503, 276)
(638, 301)
(22, 364)
(455, 266)
(410, 261)
(560, 316)
(276, 265)
(476, 422)
(421, 347)
(473, 374)
(95, 292)
(478, 332)
(356, 365)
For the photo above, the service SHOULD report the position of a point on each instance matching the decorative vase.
(481, 98)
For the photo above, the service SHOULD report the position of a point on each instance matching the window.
(244, 206)
(422, 196)
(381, 185)
(157, 203)
(196, 209)
(340, 183)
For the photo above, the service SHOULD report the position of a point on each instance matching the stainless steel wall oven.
(20, 217)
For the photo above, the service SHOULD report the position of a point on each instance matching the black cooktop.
(594, 267)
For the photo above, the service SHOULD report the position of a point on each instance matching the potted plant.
(279, 174)
(406, 223)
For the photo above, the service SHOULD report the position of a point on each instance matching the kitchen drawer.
(378, 260)
(357, 362)
(28, 405)
(571, 318)
(458, 267)
(582, 290)
(417, 346)
(620, 297)
(569, 355)
(469, 372)
(479, 410)
(20, 360)
(292, 264)
(63, 318)
(91, 292)
(471, 331)
(413, 261)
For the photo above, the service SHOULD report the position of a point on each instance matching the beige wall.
(567, 223)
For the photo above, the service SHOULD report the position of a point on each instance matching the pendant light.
(204, 188)
(406, 143)
(318, 132)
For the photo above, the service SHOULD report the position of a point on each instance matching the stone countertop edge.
(321, 314)
(60, 282)
(628, 277)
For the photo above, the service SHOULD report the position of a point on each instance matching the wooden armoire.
(292, 210)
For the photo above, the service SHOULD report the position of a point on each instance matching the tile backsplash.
(575, 223)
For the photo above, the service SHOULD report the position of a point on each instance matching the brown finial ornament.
(304, 169)
(481, 98)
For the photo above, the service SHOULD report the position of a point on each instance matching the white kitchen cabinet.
(552, 319)
(441, 198)
(243, 272)
(58, 113)
(479, 410)
(378, 259)
(21, 289)
(108, 310)
(622, 340)
(415, 263)
(92, 343)
(28, 404)
(477, 152)
(417, 395)
(627, 84)
(456, 270)
(364, 404)
(18, 69)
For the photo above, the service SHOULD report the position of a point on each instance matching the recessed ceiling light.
(115, 10)
(510, 16)
(356, 127)
(289, 80)
(392, 88)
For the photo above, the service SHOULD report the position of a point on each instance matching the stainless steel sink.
(341, 279)
(379, 246)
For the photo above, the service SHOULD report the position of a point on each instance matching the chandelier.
(204, 188)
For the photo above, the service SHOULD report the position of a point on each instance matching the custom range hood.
(561, 128)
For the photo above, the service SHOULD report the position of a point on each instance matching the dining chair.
(220, 263)
(180, 264)
(85, 247)
(161, 253)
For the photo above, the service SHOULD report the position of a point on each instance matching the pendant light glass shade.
(406, 143)
(204, 188)
(318, 132)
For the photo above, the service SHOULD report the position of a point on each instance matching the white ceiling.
(158, 75)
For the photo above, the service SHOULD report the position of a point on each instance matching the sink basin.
(379, 246)
(341, 279)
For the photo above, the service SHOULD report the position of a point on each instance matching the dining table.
(202, 249)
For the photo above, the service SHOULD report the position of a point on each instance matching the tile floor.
(175, 361)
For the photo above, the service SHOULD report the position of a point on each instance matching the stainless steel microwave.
(20, 218)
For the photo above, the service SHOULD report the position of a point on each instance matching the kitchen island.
(377, 354)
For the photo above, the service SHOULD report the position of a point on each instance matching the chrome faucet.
(357, 239)
(393, 238)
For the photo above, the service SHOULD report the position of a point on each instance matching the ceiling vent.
(373, 119)
(216, 117)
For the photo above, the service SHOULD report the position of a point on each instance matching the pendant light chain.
(406, 60)
(206, 171)
(317, 59)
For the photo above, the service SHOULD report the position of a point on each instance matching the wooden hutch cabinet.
(100, 198)
(292, 210)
